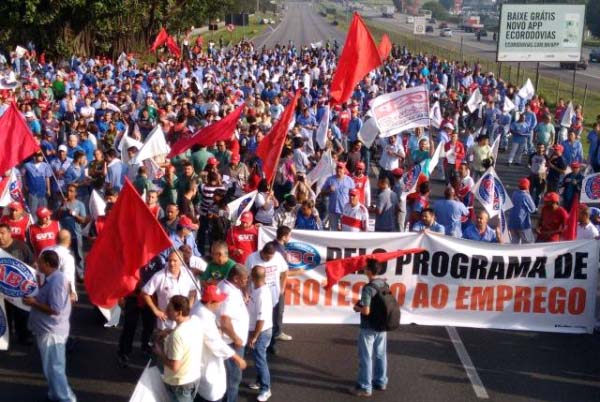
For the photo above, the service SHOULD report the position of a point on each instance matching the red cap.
(398, 172)
(524, 183)
(551, 197)
(212, 161)
(43, 212)
(247, 217)
(558, 148)
(354, 191)
(186, 222)
(575, 165)
(16, 205)
(340, 165)
(235, 158)
(212, 294)
(360, 165)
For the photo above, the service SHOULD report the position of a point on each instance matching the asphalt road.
(320, 363)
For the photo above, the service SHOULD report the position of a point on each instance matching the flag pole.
(189, 272)
(54, 175)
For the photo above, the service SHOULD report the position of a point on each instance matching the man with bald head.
(449, 213)
(66, 260)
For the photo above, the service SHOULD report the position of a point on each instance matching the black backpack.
(384, 309)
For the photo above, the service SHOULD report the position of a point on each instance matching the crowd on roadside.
(91, 117)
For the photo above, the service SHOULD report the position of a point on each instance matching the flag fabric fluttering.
(209, 135)
(269, 149)
(527, 91)
(435, 115)
(240, 205)
(385, 46)
(173, 47)
(570, 232)
(321, 135)
(160, 40)
(337, 269)
(359, 57)
(16, 141)
(491, 193)
(132, 236)
(155, 145)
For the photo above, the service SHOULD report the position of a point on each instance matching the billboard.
(541, 32)
(419, 26)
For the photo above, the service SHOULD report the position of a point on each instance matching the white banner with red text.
(401, 110)
(538, 287)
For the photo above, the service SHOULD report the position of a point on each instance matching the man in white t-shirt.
(233, 320)
(585, 228)
(181, 354)
(276, 270)
(260, 307)
(355, 216)
(165, 284)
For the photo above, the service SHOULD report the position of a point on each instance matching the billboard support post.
(573, 83)
(537, 75)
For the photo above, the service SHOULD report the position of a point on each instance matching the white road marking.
(467, 363)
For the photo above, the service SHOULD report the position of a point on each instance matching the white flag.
(495, 148)
(97, 205)
(568, 115)
(474, 101)
(590, 188)
(4, 332)
(527, 91)
(509, 106)
(112, 316)
(504, 232)
(21, 282)
(324, 169)
(150, 387)
(368, 132)
(321, 135)
(126, 143)
(317, 45)
(20, 51)
(490, 192)
(435, 115)
(240, 205)
(430, 164)
(155, 145)
(10, 189)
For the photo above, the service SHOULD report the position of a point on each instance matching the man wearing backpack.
(379, 312)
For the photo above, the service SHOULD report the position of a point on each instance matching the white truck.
(388, 11)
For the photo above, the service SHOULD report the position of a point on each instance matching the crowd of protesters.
(83, 111)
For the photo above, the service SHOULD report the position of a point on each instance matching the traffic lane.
(321, 364)
(535, 366)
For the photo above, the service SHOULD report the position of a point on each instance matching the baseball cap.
(398, 172)
(235, 158)
(212, 294)
(247, 217)
(551, 197)
(43, 212)
(16, 205)
(558, 148)
(186, 222)
(30, 114)
(449, 126)
(360, 165)
(524, 183)
(353, 192)
(575, 165)
(62, 148)
(340, 165)
(212, 161)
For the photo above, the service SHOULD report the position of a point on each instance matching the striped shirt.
(355, 219)
(207, 193)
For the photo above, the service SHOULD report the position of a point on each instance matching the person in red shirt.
(17, 220)
(355, 217)
(454, 155)
(361, 183)
(553, 220)
(153, 205)
(242, 240)
(44, 233)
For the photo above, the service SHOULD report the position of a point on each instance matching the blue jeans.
(234, 376)
(52, 353)
(260, 359)
(372, 346)
(183, 393)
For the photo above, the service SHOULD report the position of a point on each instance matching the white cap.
(62, 148)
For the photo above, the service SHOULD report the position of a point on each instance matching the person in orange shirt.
(242, 240)
(17, 220)
(361, 183)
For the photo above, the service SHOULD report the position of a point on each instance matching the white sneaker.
(254, 386)
(284, 337)
(264, 396)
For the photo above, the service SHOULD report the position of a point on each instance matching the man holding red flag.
(16, 141)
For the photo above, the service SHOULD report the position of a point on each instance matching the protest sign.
(401, 110)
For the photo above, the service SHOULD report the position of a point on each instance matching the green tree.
(592, 16)
(448, 4)
(437, 10)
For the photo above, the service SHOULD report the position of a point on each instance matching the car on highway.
(446, 32)
(595, 55)
(571, 65)
(429, 28)
(410, 19)
(482, 32)
(443, 25)
(432, 21)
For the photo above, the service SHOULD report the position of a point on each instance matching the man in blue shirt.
(449, 213)
(519, 217)
(37, 182)
(480, 231)
(72, 216)
(337, 187)
(49, 323)
(428, 222)
(593, 138)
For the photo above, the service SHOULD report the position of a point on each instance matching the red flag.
(385, 46)
(16, 141)
(130, 239)
(160, 40)
(207, 136)
(359, 57)
(337, 269)
(269, 149)
(570, 232)
(173, 48)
